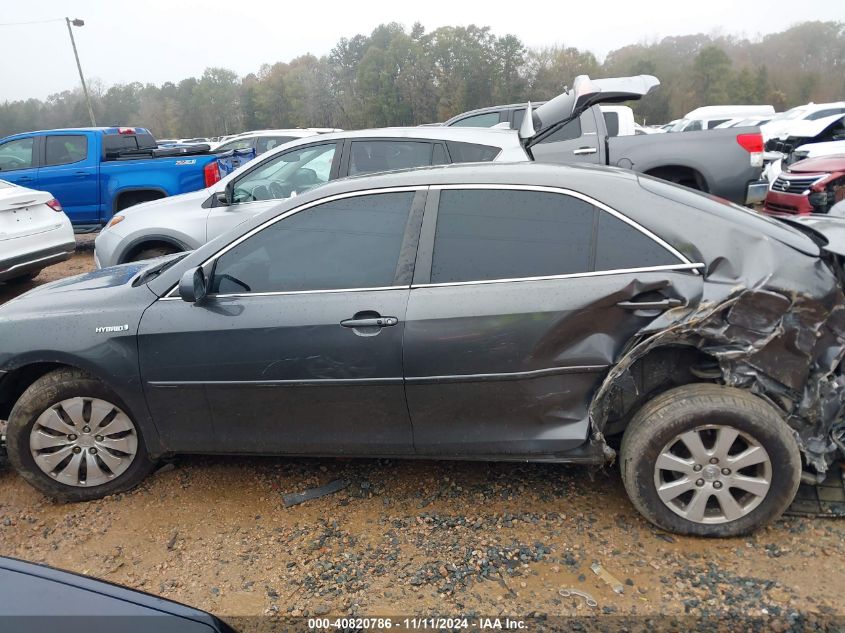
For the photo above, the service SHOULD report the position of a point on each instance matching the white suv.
(185, 222)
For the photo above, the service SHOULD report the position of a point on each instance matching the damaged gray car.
(485, 311)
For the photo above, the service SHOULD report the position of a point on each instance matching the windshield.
(794, 113)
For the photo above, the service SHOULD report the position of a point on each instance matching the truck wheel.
(709, 460)
(152, 252)
(70, 437)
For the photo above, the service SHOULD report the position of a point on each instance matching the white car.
(187, 221)
(784, 124)
(264, 140)
(34, 232)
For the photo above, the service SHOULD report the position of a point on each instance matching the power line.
(32, 22)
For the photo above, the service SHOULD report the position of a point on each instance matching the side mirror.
(221, 198)
(229, 192)
(193, 286)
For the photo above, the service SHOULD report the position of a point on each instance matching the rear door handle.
(584, 150)
(370, 322)
(80, 174)
(663, 304)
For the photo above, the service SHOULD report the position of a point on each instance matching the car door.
(522, 299)
(298, 347)
(69, 171)
(278, 177)
(19, 161)
(577, 141)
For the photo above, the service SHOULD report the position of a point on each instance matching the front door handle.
(370, 322)
(663, 304)
(584, 150)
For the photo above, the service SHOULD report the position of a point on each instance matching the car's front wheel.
(709, 460)
(69, 436)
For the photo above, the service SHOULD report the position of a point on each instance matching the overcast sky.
(168, 40)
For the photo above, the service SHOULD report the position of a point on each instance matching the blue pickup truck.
(94, 172)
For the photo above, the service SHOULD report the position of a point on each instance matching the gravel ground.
(419, 538)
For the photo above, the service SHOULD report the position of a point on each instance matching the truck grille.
(793, 185)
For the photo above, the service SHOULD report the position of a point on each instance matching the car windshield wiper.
(151, 273)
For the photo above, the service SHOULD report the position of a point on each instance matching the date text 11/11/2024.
(414, 623)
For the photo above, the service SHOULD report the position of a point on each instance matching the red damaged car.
(808, 186)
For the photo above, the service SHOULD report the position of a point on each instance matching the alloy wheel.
(83, 442)
(712, 474)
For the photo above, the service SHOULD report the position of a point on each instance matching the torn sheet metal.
(781, 336)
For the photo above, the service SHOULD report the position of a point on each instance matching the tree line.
(396, 76)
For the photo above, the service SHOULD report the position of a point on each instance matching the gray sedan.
(485, 311)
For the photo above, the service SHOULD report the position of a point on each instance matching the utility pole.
(78, 22)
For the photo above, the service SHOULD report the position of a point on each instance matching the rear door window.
(65, 149)
(486, 234)
(621, 246)
(503, 234)
(471, 152)
(611, 122)
(375, 156)
(16, 154)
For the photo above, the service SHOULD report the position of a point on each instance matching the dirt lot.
(414, 538)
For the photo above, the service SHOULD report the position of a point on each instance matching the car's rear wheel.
(70, 437)
(710, 460)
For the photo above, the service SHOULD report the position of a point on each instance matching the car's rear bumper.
(21, 265)
(793, 203)
(756, 191)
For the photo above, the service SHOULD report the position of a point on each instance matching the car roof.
(486, 173)
(504, 139)
(288, 131)
(499, 137)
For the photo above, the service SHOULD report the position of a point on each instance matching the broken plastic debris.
(294, 498)
(609, 578)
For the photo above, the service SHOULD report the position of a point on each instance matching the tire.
(119, 456)
(702, 508)
(152, 252)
